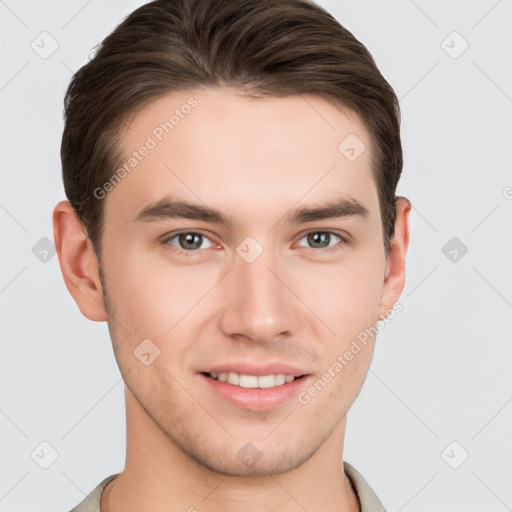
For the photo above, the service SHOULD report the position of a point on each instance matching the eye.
(191, 241)
(188, 241)
(322, 239)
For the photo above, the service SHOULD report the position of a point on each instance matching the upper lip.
(257, 369)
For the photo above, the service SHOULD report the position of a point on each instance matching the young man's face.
(264, 294)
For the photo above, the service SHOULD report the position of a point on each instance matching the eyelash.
(343, 241)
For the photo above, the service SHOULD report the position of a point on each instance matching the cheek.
(349, 305)
(346, 296)
(151, 295)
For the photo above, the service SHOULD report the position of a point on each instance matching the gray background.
(440, 384)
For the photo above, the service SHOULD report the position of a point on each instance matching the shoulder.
(367, 497)
(91, 503)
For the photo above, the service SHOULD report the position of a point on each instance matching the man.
(231, 169)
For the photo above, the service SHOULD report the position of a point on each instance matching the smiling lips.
(256, 386)
(252, 381)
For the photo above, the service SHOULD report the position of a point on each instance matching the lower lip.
(257, 399)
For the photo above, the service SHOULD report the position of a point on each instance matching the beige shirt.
(367, 498)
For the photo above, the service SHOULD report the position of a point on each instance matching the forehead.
(218, 146)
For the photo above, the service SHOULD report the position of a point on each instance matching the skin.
(255, 160)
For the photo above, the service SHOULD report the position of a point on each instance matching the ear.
(395, 271)
(78, 262)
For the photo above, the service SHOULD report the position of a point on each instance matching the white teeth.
(279, 379)
(233, 378)
(266, 381)
(253, 381)
(248, 381)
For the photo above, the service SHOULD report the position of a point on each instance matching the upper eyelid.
(174, 234)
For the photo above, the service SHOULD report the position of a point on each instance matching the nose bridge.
(261, 306)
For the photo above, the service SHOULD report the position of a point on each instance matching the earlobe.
(395, 272)
(78, 262)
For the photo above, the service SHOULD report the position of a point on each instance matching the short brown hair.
(274, 48)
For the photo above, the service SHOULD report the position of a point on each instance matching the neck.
(158, 476)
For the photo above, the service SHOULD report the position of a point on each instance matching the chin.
(250, 462)
(252, 457)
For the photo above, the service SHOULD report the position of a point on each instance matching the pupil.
(319, 238)
(187, 240)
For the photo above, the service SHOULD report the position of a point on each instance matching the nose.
(261, 305)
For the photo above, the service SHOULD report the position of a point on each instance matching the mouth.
(255, 386)
(253, 381)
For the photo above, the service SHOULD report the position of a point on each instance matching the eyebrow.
(167, 208)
